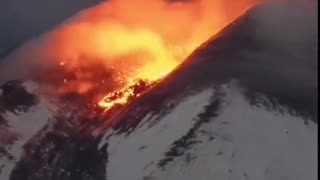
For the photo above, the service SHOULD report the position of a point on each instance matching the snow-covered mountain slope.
(216, 134)
(23, 115)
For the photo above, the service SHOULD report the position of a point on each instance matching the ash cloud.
(284, 62)
(172, 20)
(272, 49)
(273, 30)
(290, 30)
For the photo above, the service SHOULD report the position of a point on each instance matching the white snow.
(25, 125)
(129, 157)
(30, 86)
(250, 144)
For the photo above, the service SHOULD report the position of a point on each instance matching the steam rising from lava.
(124, 40)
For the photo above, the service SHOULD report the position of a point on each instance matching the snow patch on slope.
(129, 156)
(30, 87)
(25, 125)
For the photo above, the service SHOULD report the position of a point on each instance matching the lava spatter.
(123, 96)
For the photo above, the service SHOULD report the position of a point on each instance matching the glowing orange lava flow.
(131, 39)
(125, 94)
(114, 99)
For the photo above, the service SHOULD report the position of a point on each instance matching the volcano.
(241, 106)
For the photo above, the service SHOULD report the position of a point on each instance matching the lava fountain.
(123, 47)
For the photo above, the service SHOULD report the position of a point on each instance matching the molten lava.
(123, 96)
(132, 39)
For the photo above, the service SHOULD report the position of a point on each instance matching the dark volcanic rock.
(60, 155)
(270, 50)
(16, 97)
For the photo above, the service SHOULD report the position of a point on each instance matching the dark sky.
(21, 20)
